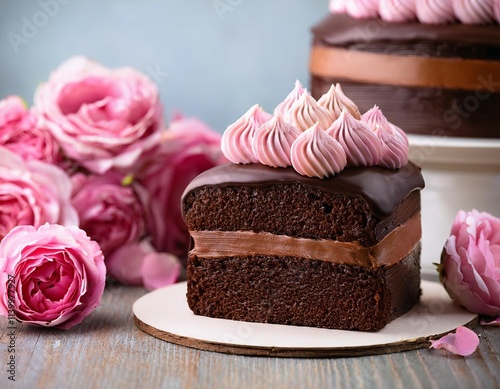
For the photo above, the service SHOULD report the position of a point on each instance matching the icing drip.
(284, 107)
(306, 112)
(374, 117)
(361, 144)
(335, 100)
(435, 11)
(397, 10)
(316, 154)
(273, 141)
(394, 150)
(474, 12)
(362, 9)
(236, 143)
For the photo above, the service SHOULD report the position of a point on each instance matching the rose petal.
(124, 264)
(493, 322)
(159, 269)
(463, 342)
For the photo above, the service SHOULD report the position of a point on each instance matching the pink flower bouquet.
(94, 160)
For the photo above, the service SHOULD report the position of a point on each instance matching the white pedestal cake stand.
(459, 173)
(164, 314)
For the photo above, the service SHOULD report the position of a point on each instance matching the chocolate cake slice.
(273, 246)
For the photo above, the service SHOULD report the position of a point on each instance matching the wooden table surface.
(108, 351)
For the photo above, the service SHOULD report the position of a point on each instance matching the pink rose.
(111, 213)
(140, 264)
(52, 276)
(33, 193)
(20, 133)
(187, 149)
(470, 264)
(103, 118)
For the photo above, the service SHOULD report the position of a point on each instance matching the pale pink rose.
(140, 264)
(33, 193)
(188, 148)
(103, 118)
(470, 264)
(20, 133)
(109, 211)
(463, 342)
(52, 276)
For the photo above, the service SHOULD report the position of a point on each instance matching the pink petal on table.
(493, 322)
(159, 269)
(463, 342)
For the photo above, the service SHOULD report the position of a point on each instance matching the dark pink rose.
(188, 148)
(33, 193)
(102, 118)
(110, 212)
(140, 264)
(20, 133)
(52, 276)
(470, 264)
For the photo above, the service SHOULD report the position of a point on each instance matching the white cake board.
(164, 313)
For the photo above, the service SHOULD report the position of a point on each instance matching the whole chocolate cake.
(316, 222)
(433, 67)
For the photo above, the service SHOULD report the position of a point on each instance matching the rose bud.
(470, 262)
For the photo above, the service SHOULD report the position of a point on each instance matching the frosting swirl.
(316, 154)
(236, 142)
(335, 100)
(474, 12)
(337, 6)
(397, 10)
(306, 112)
(435, 11)
(361, 144)
(426, 11)
(374, 117)
(394, 150)
(362, 9)
(272, 142)
(290, 100)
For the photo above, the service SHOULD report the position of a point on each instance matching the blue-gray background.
(210, 59)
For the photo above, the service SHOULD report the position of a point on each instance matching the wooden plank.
(107, 350)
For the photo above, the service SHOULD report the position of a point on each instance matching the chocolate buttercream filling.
(404, 70)
(390, 250)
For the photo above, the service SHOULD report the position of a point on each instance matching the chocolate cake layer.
(410, 38)
(425, 109)
(358, 204)
(303, 292)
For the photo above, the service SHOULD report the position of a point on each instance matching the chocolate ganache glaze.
(441, 80)
(383, 189)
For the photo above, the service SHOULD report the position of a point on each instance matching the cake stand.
(459, 173)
